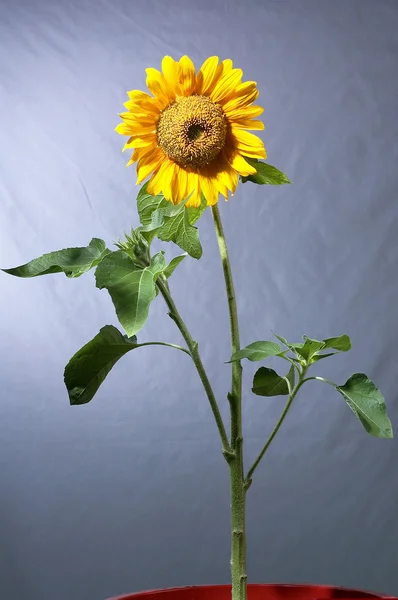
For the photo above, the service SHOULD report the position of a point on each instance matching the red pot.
(262, 591)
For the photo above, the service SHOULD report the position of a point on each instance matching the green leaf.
(282, 354)
(151, 211)
(309, 351)
(341, 343)
(147, 204)
(173, 264)
(368, 404)
(266, 173)
(320, 356)
(257, 351)
(179, 229)
(132, 289)
(267, 382)
(170, 223)
(283, 340)
(158, 264)
(88, 368)
(288, 345)
(71, 261)
(194, 213)
(309, 348)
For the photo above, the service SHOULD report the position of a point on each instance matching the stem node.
(238, 533)
(231, 398)
(247, 484)
(229, 456)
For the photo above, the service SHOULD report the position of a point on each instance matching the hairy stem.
(194, 353)
(238, 492)
(275, 430)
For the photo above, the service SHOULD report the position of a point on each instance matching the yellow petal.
(127, 144)
(187, 76)
(139, 128)
(208, 75)
(180, 191)
(220, 185)
(247, 141)
(144, 148)
(148, 164)
(229, 178)
(248, 124)
(171, 72)
(177, 184)
(242, 167)
(209, 190)
(193, 188)
(137, 95)
(195, 200)
(226, 87)
(141, 152)
(132, 117)
(141, 142)
(157, 85)
(169, 181)
(123, 129)
(245, 112)
(244, 95)
(155, 183)
(144, 107)
(227, 65)
(255, 153)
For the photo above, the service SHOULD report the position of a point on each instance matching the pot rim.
(250, 585)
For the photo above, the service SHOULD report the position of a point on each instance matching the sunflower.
(190, 136)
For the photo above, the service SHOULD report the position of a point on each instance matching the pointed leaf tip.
(257, 351)
(266, 174)
(368, 404)
(71, 261)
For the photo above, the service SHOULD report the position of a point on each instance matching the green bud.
(136, 246)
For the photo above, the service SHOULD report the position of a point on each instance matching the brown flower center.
(192, 131)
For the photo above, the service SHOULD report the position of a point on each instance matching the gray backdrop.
(130, 491)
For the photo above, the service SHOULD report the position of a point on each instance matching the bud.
(137, 247)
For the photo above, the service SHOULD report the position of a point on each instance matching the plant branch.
(165, 344)
(248, 480)
(320, 379)
(194, 353)
(292, 362)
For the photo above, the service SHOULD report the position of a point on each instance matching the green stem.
(194, 353)
(321, 379)
(165, 344)
(292, 362)
(275, 430)
(238, 492)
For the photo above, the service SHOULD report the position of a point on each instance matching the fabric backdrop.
(130, 491)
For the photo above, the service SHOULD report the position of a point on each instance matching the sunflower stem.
(194, 353)
(236, 466)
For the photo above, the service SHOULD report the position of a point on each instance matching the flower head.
(191, 135)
